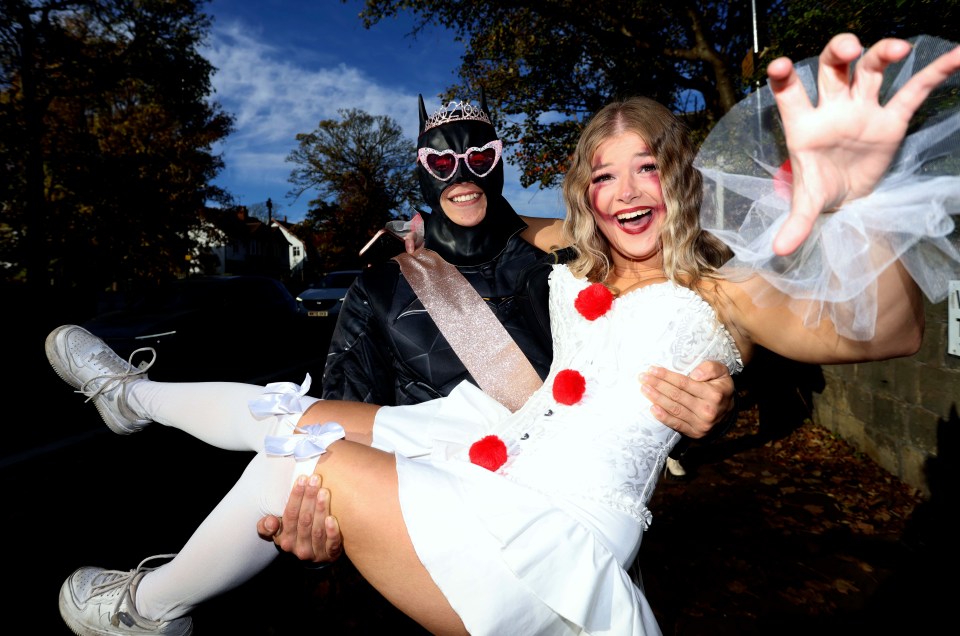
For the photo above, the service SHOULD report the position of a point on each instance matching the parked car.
(215, 328)
(324, 299)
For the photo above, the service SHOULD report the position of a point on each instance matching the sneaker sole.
(51, 347)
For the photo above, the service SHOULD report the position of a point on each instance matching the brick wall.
(897, 412)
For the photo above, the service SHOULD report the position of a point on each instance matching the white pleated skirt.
(510, 559)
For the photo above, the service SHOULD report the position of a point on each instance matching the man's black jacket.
(386, 349)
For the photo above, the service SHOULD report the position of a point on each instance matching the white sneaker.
(98, 602)
(87, 364)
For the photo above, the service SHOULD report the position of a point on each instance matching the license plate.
(318, 314)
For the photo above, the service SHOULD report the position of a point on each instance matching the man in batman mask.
(387, 349)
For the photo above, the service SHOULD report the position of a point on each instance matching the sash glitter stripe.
(466, 321)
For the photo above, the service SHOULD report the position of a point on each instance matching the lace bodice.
(604, 444)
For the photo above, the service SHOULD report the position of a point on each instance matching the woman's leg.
(222, 553)
(226, 551)
(364, 498)
(217, 413)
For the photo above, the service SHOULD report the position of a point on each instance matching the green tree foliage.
(801, 30)
(361, 169)
(547, 65)
(107, 136)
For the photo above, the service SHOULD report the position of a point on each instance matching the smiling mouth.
(635, 218)
(466, 198)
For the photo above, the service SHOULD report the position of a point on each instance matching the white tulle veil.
(911, 212)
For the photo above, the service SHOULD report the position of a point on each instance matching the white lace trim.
(590, 450)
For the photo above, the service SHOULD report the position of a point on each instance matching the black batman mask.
(461, 128)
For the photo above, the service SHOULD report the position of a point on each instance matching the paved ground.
(795, 536)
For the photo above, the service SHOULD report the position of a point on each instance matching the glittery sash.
(473, 331)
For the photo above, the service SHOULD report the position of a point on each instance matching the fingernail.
(314, 480)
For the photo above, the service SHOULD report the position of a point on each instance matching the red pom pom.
(489, 452)
(783, 180)
(568, 387)
(594, 301)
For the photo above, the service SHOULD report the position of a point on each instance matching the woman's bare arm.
(544, 233)
(776, 322)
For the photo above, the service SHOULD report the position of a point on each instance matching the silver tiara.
(456, 111)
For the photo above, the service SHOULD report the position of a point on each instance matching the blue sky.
(284, 65)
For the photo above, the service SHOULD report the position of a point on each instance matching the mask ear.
(483, 103)
(423, 114)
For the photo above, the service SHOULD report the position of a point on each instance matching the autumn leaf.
(845, 587)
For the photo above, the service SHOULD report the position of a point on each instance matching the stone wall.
(897, 412)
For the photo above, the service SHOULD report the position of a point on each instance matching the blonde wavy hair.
(689, 253)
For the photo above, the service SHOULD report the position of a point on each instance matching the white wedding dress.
(542, 545)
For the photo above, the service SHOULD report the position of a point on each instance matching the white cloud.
(273, 95)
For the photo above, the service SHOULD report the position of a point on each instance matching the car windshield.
(176, 296)
(210, 294)
(335, 280)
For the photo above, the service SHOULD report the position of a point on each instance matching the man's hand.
(413, 239)
(691, 405)
(307, 529)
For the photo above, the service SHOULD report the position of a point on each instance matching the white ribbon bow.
(312, 441)
(280, 398)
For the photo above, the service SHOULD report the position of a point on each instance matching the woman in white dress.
(481, 521)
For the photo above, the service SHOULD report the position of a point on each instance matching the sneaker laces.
(103, 359)
(115, 579)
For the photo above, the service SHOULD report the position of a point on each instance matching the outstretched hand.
(841, 148)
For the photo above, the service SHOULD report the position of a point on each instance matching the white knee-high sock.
(225, 551)
(217, 413)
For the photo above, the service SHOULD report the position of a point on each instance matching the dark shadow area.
(931, 554)
(781, 391)
(797, 535)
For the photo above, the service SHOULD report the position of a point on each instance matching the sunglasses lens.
(442, 165)
(482, 161)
